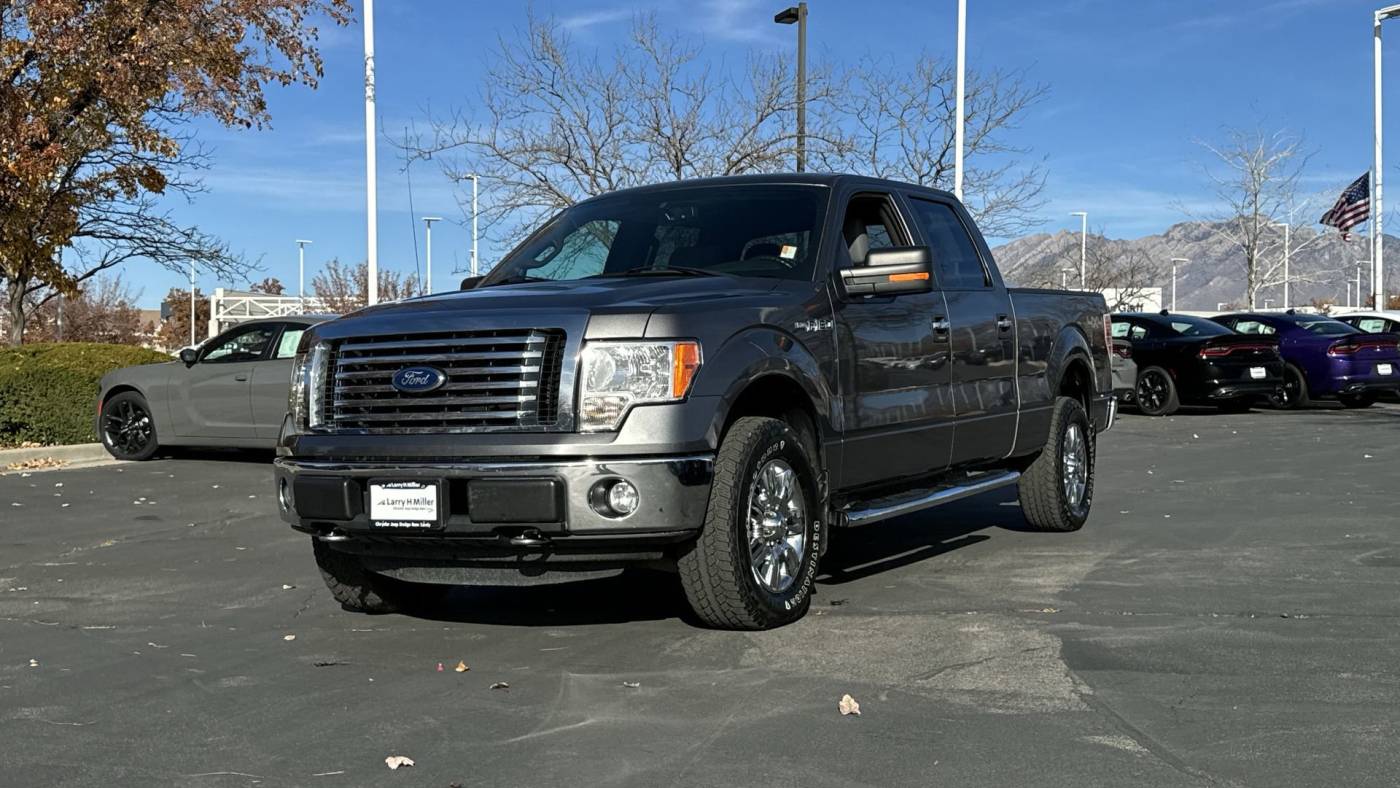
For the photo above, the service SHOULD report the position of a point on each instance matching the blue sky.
(1132, 84)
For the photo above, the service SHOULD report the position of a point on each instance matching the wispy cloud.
(736, 20)
(587, 19)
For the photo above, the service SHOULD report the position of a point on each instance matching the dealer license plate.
(403, 504)
(1257, 373)
(1384, 369)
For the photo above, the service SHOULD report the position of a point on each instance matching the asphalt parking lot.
(1227, 617)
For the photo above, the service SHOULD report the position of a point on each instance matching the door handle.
(242, 376)
(1003, 323)
(940, 324)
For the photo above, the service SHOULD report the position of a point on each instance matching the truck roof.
(828, 179)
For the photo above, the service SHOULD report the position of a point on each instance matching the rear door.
(212, 398)
(892, 357)
(272, 382)
(982, 334)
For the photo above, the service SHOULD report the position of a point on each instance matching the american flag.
(1352, 208)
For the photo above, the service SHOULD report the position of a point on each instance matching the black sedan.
(1190, 360)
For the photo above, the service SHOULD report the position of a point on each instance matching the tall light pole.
(1176, 260)
(192, 310)
(1359, 263)
(798, 15)
(1064, 277)
(1348, 284)
(960, 112)
(371, 205)
(1377, 206)
(475, 266)
(1083, 244)
(428, 233)
(301, 273)
(1284, 225)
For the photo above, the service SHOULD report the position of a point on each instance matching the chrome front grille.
(495, 381)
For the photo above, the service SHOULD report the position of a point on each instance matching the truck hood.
(626, 302)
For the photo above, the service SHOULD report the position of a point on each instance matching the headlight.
(308, 394)
(614, 376)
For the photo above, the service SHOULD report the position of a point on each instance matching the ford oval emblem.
(419, 380)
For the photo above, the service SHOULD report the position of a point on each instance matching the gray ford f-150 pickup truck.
(708, 376)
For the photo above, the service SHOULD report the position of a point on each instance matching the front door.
(272, 383)
(212, 398)
(893, 365)
(983, 336)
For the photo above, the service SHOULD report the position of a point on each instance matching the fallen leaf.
(461, 667)
(395, 761)
(501, 685)
(631, 684)
(285, 587)
(848, 706)
(289, 637)
(33, 663)
(439, 668)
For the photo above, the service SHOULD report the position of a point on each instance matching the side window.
(248, 344)
(1120, 329)
(583, 252)
(287, 345)
(1371, 325)
(1137, 331)
(955, 258)
(870, 223)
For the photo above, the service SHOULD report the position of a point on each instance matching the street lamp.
(371, 204)
(1348, 284)
(301, 274)
(474, 264)
(1064, 277)
(798, 15)
(1268, 301)
(1285, 227)
(1359, 263)
(960, 112)
(1377, 212)
(428, 232)
(1083, 244)
(1176, 260)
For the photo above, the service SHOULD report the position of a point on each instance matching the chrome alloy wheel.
(777, 527)
(1074, 456)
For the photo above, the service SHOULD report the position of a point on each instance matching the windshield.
(1187, 326)
(764, 231)
(1327, 327)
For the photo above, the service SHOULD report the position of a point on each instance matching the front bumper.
(330, 498)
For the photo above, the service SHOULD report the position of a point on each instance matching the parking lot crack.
(973, 663)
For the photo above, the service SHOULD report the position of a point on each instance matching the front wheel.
(1156, 392)
(128, 431)
(1057, 490)
(753, 565)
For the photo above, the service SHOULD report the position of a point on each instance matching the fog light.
(623, 498)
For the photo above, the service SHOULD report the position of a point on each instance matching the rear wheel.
(1057, 490)
(1358, 400)
(128, 431)
(1294, 392)
(753, 565)
(359, 590)
(1156, 392)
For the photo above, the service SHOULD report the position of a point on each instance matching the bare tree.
(270, 285)
(344, 288)
(900, 123)
(1255, 177)
(104, 310)
(174, 331)
(557, 123)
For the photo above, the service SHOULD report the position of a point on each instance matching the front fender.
(759, 352)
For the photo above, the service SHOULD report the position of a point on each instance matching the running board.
(873, 511)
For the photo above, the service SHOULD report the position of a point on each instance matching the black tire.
(1156, 392)
(127, 430)
(1045, 497)
(718, 569)
(1240, 405)
(361, 591)
(1293, 395)
(1358, 400)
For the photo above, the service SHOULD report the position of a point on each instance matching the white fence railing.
(229, 307)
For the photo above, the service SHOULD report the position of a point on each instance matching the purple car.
(1325, 357)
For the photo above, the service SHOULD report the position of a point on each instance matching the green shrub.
(48, 392)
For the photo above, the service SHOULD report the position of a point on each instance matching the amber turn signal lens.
(909, 277)
(685, 360)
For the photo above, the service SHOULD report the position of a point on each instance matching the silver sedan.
(229, 391)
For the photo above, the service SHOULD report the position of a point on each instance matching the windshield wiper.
(514, 279)
(675, 270)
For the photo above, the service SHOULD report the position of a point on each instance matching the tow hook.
(530, 537)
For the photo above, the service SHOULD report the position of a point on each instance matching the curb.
(70, 456)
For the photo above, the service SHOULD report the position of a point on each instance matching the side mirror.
(471, 282)
(189, 355)
(896, 270)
